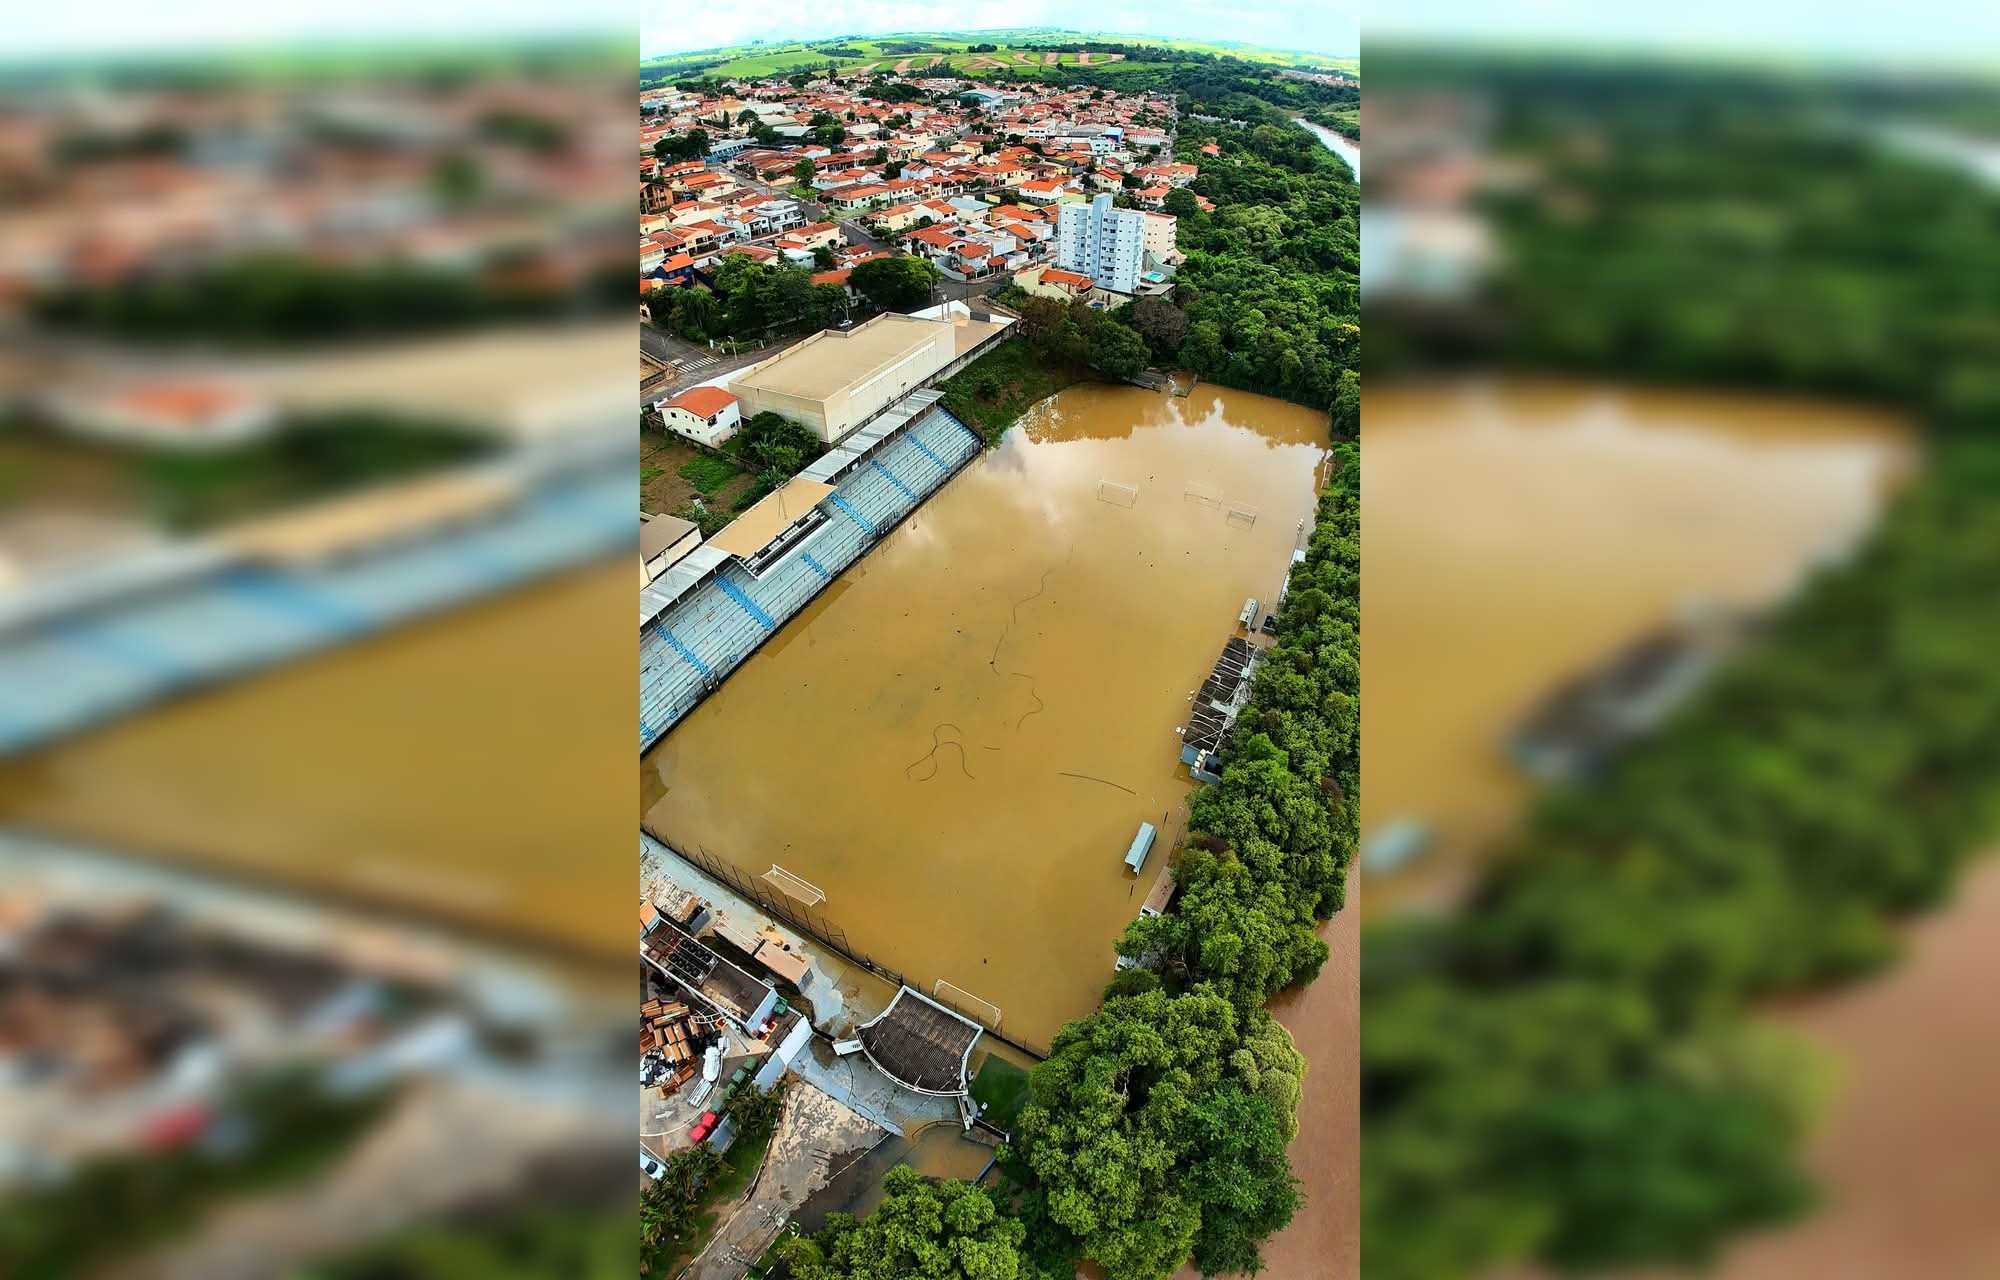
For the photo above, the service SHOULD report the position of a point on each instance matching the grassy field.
(666, 489)
(1003, 1088)
(991, 392)
(1025, 47)
(708, 473)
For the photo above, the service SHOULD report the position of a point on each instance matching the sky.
(1916, 32)
(1311, 26)
(36, 29)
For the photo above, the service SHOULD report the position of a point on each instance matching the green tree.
(1116, 349)
(1347, 404)
(1238, 1173)
(1138, 1134)
(1202, 350)
(1654, 1171)
(895, 283)
(457, 177)
(1162, 324)
(924, 1229)
(804, 170)
(771, 442)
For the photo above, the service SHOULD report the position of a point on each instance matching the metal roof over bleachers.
(847, 453)
(656, 596)
(208, 612)
(920, 1044)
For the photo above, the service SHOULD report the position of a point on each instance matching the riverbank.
(1346, 148)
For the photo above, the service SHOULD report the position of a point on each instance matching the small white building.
(707, 415)
(187, 413)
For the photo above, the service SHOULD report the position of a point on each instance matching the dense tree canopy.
(924, 1229)
(1146, 1145)
(750, 300)
(895, 283)
(692, 145)
(1570, 1070)
(1267, 299)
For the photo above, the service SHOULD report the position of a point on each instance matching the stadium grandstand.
(716, 605)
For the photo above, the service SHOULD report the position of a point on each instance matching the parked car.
(649, 1164)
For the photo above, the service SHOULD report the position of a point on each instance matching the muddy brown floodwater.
(1516, 533)
(1911, 1152)
(467, 767)
(957, 741)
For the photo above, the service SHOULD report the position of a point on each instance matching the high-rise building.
(1106, 244)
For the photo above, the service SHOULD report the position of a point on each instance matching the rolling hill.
(1024, 48)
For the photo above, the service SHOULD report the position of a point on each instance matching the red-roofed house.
(800, 244)
(1053, 282)
(1045, 190)
(708, 415)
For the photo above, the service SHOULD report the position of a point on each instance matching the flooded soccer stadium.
(957, 741)
(449, 769)
(1519, 532)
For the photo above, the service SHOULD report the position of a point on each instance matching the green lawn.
(994, 390)
(1002, 1088)
(708, 473)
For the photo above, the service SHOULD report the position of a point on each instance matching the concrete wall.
(756, 400)
(833, 417)
(866, 399)
(711, 432)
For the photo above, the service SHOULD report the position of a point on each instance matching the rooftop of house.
(702, 401)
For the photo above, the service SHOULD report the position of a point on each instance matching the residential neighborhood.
(978, 180)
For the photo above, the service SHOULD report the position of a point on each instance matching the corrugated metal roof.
(656, 597)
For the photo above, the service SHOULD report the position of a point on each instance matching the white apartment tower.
(1106, 244)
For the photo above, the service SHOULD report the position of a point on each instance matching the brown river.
(958, 740)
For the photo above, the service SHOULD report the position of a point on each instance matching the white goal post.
(984, 1012)
(1118, 495)
(794, 886)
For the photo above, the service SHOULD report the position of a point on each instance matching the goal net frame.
(964, 1002)
(1118, 495)
(795, 887)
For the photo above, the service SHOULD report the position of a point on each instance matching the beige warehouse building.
(833, 382)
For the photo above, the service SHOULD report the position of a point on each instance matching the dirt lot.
(662, 488)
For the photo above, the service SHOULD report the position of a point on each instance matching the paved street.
(858, 234)
(815, 1137)
(702, 364)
